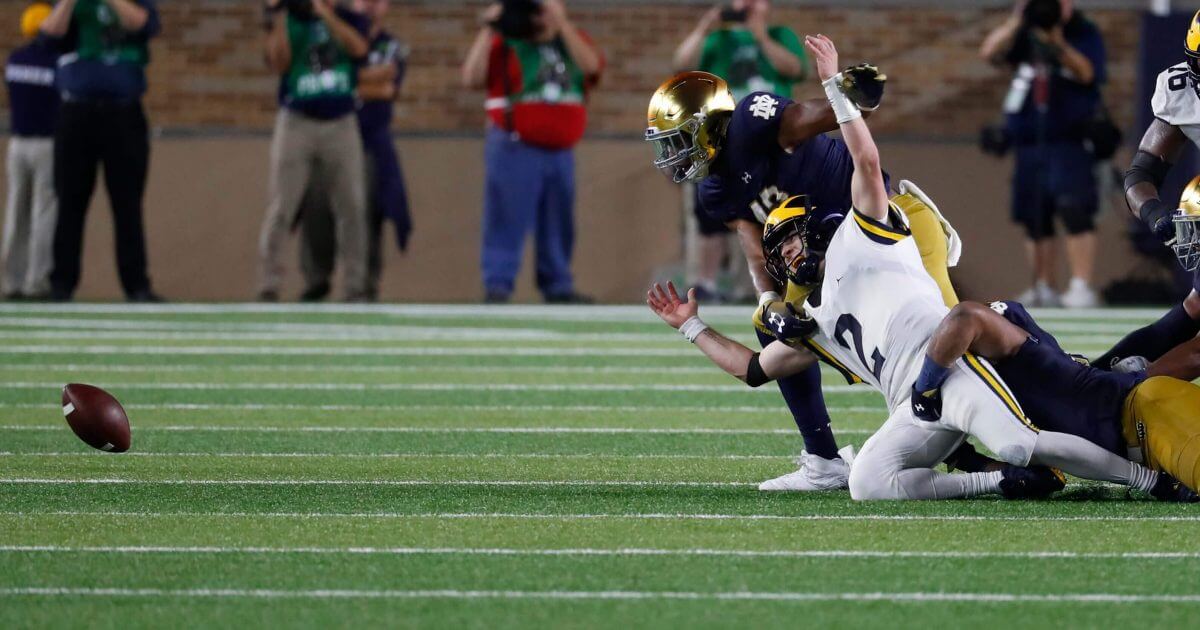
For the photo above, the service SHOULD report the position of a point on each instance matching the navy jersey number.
(848, 323)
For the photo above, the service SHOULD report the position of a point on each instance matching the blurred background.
(212, 102)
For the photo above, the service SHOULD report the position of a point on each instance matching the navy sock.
(932, 375)
(802, 392)
(1154, 340)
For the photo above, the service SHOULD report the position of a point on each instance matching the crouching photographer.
(537, 67)
(315, 46)
(1058, 62)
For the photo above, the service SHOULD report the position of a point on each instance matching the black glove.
(927, 406)
(786, 323)
(863, 84)
(1158, 215)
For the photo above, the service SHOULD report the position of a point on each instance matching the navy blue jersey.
(753, 174)
(1061, 394)
(32, 95)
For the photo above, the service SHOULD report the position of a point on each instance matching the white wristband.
(692, 328)
(843, 108)
(766, 297)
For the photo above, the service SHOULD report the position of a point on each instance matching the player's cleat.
(1171, 490)
(815, 474)
(1079, 295)
(1034, 482)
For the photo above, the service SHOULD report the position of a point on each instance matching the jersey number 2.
(848, 323)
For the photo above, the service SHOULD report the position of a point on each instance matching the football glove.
(786, 323)
(863, 84)
(927, 405)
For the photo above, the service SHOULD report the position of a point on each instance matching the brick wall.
(207, 69)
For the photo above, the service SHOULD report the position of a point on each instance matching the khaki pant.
(326, 156)
(28, 249)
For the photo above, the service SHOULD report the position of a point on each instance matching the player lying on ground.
(877, 301)
(745, 158)
(1148, 414)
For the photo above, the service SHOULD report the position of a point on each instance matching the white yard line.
(622, 551)
(913, 597)
(583, 483)
(652, 516)
(442, 387)
(518, 430)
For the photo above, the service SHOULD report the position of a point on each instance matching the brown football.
(96, 417)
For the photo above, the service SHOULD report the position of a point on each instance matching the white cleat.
(815, 474)
(1080, 295)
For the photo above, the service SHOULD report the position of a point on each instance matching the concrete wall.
(206, 199)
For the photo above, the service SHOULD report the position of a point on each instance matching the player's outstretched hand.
(666, 304)
(823, 53)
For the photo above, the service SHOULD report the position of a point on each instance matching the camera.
(730, 14)
(1042, 14)
(516, 19)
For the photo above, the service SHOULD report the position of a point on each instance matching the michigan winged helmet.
(686, 121)
(1191, 48)
(797, 217)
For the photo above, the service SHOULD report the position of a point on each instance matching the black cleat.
(1170, 489)
(1035, 482)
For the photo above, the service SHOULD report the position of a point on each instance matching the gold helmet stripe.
(1192, 45)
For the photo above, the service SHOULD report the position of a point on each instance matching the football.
(96, 417)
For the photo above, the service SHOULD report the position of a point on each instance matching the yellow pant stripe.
(824, 355)
(998, 387)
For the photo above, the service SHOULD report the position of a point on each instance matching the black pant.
(90, 134)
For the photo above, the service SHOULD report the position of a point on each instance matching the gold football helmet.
(686, 121)
(1191, 47)
(1187, 226)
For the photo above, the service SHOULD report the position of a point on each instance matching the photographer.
(537, 67)
(1058, 60)
(104, 47)
(316, 47)
(751, 56)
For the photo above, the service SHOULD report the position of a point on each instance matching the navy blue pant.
(527, 188)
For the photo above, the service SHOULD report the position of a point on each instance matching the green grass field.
(507, 467)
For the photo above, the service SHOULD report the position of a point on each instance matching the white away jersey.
(879, 307)
(1176, 101)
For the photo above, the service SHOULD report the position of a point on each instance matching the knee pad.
(1077, 217)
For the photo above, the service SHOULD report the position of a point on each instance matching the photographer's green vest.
(733, 54)
(542, 96)
(106, 61)
(322, 77)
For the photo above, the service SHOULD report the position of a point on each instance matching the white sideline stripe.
(627, 312)
(380, 330)
(338, 429)
(613, 516)
(559, 408)
(364, 351)
(443, 387)
(621, 551)
(916, 597)
(380, 482)
(590, 456)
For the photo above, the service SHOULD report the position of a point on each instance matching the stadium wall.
(206, 199)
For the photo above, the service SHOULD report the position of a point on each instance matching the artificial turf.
(505, 467)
